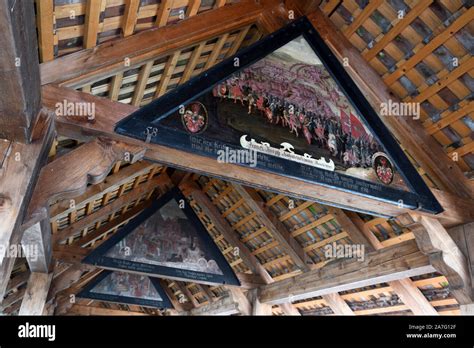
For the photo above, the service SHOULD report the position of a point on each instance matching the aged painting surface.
(168, 239)
(122, 287)
(288, 100)
(165, 240)
(127, 285)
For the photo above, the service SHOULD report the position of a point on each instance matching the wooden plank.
(397, 28)
(17, 181)
(69, 175)
(354, 233)
(412, 297)
(456, 211)
(91, 24)
(36, 293)
(130, 17)
(163, 13)
(259, 308)
(141, 83)
(216, 51)
(337, 304)
(393, 263)
(166, 75)
(45, 20)
(20, 95)
(238, 41)
(115, 86)
(445, 256)
(77, 309)
(105, 211)
(36, 243)
(193, 7)
(223, 227)
(362, 17)
(405, 288)
(108, 58)
(427, 49)
(276, 228)
(219, 3)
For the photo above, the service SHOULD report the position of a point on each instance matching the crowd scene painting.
(290, 88)
(167, 239)
(127, 285)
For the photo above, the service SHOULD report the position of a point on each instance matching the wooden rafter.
(457, 210)
(392, 263)
(108, 59)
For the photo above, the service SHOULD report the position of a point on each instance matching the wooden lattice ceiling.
(413, 56)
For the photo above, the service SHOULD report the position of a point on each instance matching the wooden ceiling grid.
(434, 30)
(68, 26)
(82, 234)
(424, 57)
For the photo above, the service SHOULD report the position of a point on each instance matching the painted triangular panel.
(166, 240)
(130, 288)
(286, 105)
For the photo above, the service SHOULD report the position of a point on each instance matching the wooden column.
(19, 173)
(445, 256)
(20, 96)
(34, 300)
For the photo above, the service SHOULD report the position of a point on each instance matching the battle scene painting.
(165, 241)
(288, 102)
(122, 287)
(286, 105)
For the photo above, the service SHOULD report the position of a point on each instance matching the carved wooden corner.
(444, 255)
(69, 175)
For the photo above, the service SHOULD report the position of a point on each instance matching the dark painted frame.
(97, 256)
(87, 293)
(141, 123)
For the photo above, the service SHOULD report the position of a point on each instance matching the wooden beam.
(445, 256)
(229, 234)
(163, 13)
(392, 263)
(355, 234)
(130, 17)
(463, 236)
(259, 308)
(141, 83)
(20, 96)
(274, 226)
(408, 292)
(223, 227)
(91, 24)
(18, 177)
(45, 20)
(36, 243)
(188, 71)
(69, 175)
(108, 113)
(337, 304)
(166, 75)
(77, 309)
(108, 209)
(107, 59)
(36, 293)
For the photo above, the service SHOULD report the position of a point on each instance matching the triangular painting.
(166, 240)
(129, 288)
(286, 105)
